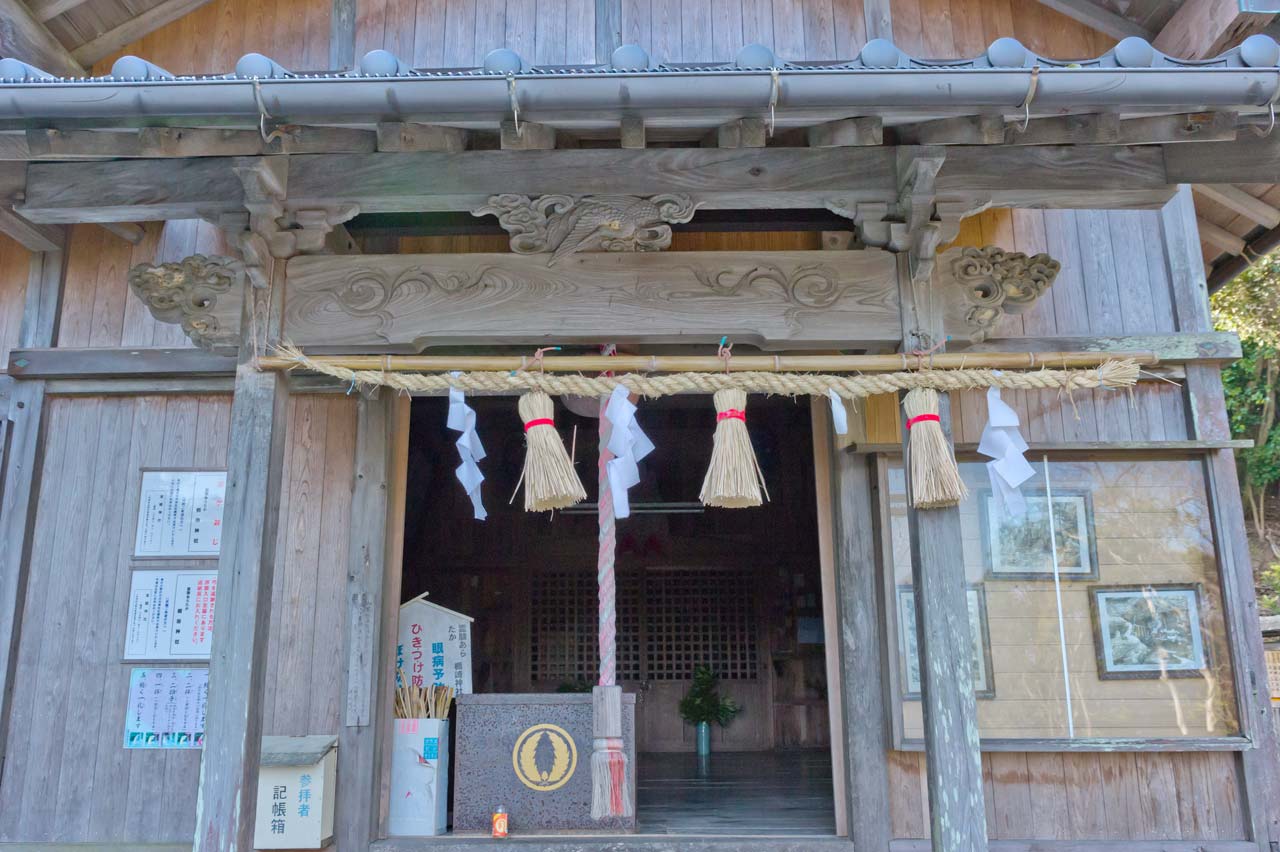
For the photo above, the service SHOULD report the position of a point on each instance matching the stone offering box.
(532, 755)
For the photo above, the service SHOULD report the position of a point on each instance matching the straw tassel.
(610, 774)
(935, 478)
(550, 482)
(733, 480)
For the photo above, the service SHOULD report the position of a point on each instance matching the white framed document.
(180, 514)
(170, 614)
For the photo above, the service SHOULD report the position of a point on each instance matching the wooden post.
(20, 480)
(861, 636)
(1207, 413)
(359, 740)
(242, 619)
(957, 811)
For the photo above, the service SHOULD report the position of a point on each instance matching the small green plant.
(703, 702)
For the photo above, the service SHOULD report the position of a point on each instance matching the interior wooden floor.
(780, 792)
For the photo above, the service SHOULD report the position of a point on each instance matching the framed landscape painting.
(1148, 631)
(1016, 547)
(909, 652)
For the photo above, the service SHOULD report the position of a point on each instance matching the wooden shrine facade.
(1026, 226)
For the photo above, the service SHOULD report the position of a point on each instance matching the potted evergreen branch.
(703, 705)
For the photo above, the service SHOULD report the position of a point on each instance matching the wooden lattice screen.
(669, 621)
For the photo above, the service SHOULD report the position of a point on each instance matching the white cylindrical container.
(419, 778)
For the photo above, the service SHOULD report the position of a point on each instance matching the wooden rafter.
(1204, 28)
(1220, 237)
(1097, 17)
(24, 37)
(44, 10)
(134, 29)
(1236, 199)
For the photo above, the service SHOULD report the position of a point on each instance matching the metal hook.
(1026, 102)
(515, 102)
(774, 85)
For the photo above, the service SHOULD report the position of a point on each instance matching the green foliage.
(703, 702)
(1269, 590)
(1250, 306)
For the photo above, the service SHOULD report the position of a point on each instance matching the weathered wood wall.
(67, 777)
(1124, 796)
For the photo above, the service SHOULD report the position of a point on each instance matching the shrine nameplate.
(804, 299)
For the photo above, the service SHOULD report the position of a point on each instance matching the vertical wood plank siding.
(67, 778)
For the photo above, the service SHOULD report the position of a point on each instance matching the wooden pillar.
(21, 466)
(242, 619)
(367, 675)
(957, 810)
(1206, 406)
(861, 639)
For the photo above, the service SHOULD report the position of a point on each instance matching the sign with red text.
(180, 514)
(170, 615)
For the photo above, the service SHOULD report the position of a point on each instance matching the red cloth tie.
(732, 414)
(914, 420)
(541, 421)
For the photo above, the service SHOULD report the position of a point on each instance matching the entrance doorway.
(738, 591)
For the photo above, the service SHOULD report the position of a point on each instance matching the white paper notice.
(180, 513)
(434, 645)
(166, 708)
(170, 615)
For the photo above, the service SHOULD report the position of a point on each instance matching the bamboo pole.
(715, 364)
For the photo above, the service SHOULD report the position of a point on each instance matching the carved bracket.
(990, 283)
(202, 294)
(562, 224)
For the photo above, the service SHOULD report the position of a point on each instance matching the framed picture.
(1149, 631)
(1017, 547)
(909, 654)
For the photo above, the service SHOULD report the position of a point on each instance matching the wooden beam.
(632, 133)
(768, 178)
(21, 472)
(1202, 29)
(1181, 348)
(868, 130)
(360, 737)
(128, 231)
(407, 136)
(1098, 17)
(44, 10)
(1249, 159)
(1216, 235)
(527, 136)
(862, 652)
(1236, 199)
(667, 296)
(242, 619)
(342, 35)
(60, 363)
(182, 142)
(960, 130)
(133, 29)
(1206, 402)
(743, 133)
(26, 38)
(32, 236)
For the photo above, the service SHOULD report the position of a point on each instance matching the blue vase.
(704, 738)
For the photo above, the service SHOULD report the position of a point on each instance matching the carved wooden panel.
(979, 286)
(773, 299)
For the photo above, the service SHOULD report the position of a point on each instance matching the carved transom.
(997, 282)
(562, 224)
(187, 293)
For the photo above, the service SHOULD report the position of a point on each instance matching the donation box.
(531, 754)
(296, 782)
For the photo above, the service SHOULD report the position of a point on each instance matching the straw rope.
(1111, 374)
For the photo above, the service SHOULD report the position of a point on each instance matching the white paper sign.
(170, 615)
(434, 645)
(180, 513)
(166, 708)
